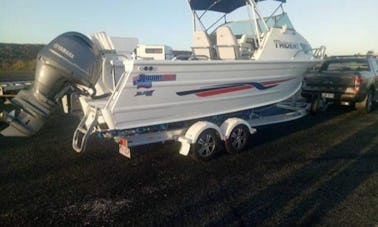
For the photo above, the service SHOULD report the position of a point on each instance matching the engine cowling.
(69, 61)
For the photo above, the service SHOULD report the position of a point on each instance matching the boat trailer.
(201, 137)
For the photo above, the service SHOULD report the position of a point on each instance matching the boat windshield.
(247, 27)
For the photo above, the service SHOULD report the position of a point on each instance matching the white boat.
(235, 66)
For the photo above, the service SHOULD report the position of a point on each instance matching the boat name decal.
(227, 88)
(286, 45)
(145, 81)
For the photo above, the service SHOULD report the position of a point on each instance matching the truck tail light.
(357, 82)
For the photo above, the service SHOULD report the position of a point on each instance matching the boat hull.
(160, 92)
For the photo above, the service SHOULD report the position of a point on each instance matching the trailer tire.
(315, 105)
(206, 146)
(238, 139)
(366, 105)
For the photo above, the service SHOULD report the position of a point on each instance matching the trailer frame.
(9, 89)
(188, 134)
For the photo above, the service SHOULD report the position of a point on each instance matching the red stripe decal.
(273, 82)
(224, 90)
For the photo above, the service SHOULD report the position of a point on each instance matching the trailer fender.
(229, 124)
(193, 133)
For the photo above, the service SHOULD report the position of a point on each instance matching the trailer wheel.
(206, 146)
(318, 104)
(314, 106)
(366, 105)
(238, 139)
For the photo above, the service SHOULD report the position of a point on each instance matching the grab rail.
(122, 83)
(318, 53)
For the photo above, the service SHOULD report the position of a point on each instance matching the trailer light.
(123, 142)
(124, 147)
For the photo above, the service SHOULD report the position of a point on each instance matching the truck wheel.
(238, 139)
(206, 146)
(366, 105)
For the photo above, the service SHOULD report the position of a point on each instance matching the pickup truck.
(345, 80)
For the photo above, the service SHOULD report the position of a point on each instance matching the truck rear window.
(350, 65)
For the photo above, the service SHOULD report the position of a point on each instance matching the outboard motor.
(69, 61)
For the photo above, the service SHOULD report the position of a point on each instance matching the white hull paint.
(195, 89)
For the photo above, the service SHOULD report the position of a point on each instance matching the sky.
(343, 26)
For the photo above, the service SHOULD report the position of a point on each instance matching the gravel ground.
(320, 170)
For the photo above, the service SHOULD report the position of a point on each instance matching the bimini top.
(223, 6)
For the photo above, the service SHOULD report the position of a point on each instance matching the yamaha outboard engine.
(70, 61)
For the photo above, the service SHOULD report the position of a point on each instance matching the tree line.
(18, 57)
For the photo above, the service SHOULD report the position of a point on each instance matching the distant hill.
(18, 57)
(21, 57)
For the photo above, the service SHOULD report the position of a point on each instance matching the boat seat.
(202, 46)
(246, 46)
(227, 46)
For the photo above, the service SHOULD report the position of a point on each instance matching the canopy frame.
(222, 6)
(252, 11)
